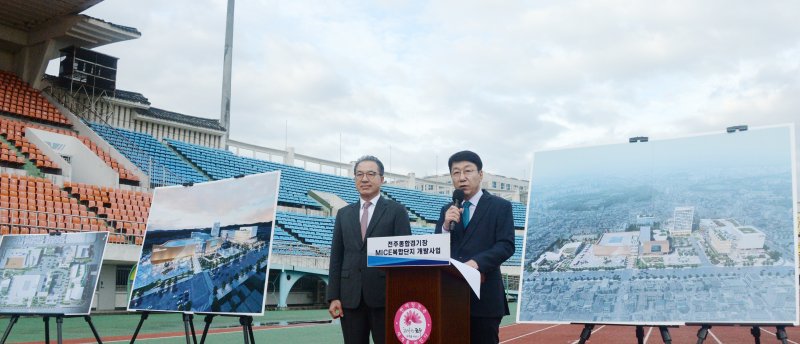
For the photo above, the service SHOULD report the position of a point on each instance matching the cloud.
(430, 78)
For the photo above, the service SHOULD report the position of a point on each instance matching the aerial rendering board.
(50, 274)
(698, 229)
(206, 247)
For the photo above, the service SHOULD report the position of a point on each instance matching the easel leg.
(187, 323)
(191, 327)
(88, 319)
(250, 330)
(139, 327)
(59, 322)
(640, 334)
(247, 329)
(665, 334)
(756, 332)
(586, 333)
(46, 320)
(780, 333)
(208, 319)
(702, 333)
(11, 323)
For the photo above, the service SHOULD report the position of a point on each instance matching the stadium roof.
(27, 15)
(165, 115)
(133, 97)
(27, 22)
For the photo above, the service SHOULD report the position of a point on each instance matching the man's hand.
(471, 263)
(453, 214)
(335, 309)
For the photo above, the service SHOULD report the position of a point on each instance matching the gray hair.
(369, 158)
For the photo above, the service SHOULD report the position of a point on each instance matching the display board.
(698, 229)
(50, 274)
(206, 247)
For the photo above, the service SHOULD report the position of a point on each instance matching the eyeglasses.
(370, 175)
(466, 173)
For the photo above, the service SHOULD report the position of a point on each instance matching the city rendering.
(206, 248)
(693, 230)
(50, 274)
(224, 268)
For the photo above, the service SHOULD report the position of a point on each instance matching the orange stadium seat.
(22, 100)
(28, 206)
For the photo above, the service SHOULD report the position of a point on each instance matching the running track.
(569, 334)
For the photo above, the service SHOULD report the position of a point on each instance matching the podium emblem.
(412, 323)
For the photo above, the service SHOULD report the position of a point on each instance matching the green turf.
(30, 329)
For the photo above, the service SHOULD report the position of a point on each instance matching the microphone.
(458, 198)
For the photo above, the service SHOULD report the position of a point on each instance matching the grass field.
(169, 328)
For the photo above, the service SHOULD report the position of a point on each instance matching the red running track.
(569, 334)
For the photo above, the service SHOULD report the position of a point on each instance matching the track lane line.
(593, 332)
(714, 336)
(647, 336)
(787, 339)
(528, 334)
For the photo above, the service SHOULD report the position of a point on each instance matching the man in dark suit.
(481, 236)
(357, 293)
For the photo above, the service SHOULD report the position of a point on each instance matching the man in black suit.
(357, 293)
(481, 236)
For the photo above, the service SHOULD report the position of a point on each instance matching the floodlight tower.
(225, 113)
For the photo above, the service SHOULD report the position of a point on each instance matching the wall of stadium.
(120, 113)
(6, 60)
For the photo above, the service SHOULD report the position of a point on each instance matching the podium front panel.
(441, 290)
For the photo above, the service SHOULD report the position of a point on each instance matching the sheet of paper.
(473, 276)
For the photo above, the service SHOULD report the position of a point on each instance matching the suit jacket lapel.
(475, 219)
(355, 223)
(380, 207)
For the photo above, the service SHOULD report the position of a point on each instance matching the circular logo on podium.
(412, 323)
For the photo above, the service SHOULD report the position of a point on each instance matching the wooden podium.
(441, 289)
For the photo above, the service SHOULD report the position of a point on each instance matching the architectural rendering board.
(206, 247)
(50, 274)
(692, 230)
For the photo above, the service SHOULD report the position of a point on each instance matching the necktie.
(465, 214)
(365, 219)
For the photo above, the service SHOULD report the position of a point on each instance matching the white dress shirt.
(371, 208)
(473, 205)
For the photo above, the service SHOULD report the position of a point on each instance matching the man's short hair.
(369, 158)
(465, 156)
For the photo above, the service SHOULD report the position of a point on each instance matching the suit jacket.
(489, 241)
(348, 274)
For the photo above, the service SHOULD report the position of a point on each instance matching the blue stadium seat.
(422, 204)
(151, 156)
(308, 229)
(295, 182)
(516, 258)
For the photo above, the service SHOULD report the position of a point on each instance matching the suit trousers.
(357, 323)
(484, 330)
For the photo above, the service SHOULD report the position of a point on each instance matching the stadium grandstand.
(79, 154)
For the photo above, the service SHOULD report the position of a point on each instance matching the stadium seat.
(25, 208)
(17, 98)
(14, 132)
(151, 156)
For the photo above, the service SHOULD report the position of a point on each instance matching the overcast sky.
(501, 78)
